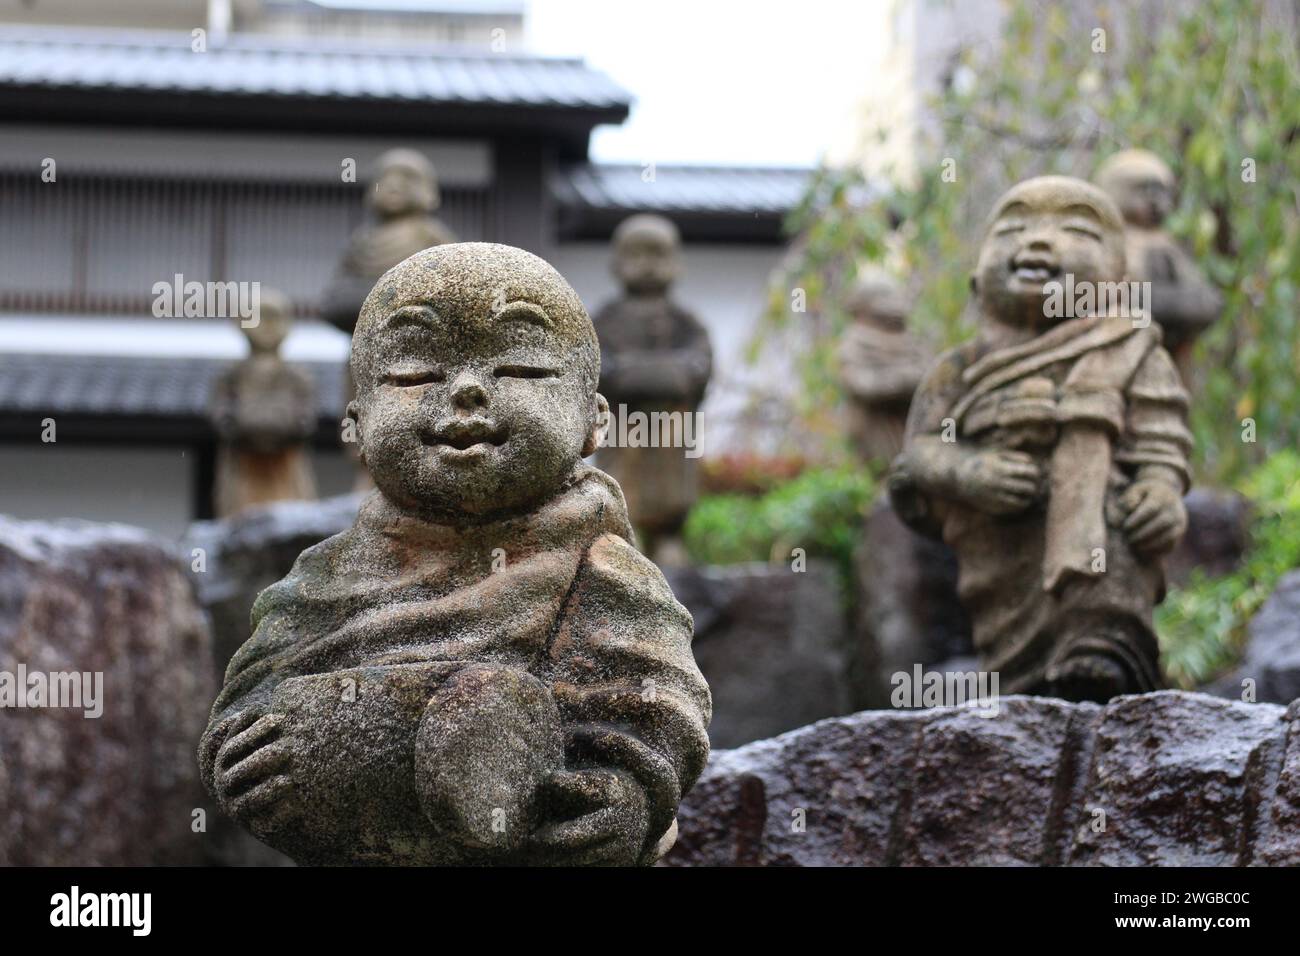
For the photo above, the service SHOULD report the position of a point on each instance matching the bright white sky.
(765, 82)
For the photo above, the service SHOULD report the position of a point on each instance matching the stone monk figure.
(483, 669)
(657, 359)
(402, 201)
(264, 414)
(881, 364)
(1051, 455)
(1183, 302)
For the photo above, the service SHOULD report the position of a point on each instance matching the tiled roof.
(686, 189)
(160, 62)
(123, 386)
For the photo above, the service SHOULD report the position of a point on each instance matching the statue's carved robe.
(655, 357)
(264, 411)
(1095, 401)
(880, 370)
(400, 604)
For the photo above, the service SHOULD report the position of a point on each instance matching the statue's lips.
(466, 434)
(1032, 269)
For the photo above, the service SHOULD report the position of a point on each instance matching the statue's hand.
(252, 770)
(1155, 516)
(998, 481)
(592, 818)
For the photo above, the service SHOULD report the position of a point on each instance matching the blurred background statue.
(402, 200)
(1182, 301)
(264, 412)
(881, 364)
(655, 358)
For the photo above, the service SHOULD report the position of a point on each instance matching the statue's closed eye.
(525, 371)
(1084, 229)
(407, 378)
(1006, 228)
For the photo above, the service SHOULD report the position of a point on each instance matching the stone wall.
(1160, 779)
(121, 788)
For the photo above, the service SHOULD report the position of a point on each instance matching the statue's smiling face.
(1041, 234)
(1144, 198)
(470, 399)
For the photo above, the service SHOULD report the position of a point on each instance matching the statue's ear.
(598, 425)
(352, 429)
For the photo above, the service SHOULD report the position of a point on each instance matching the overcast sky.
(720, 81)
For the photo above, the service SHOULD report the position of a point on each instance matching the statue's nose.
(468, 392)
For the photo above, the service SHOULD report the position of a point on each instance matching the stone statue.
(264, 413)
(402, 201)
(657, 361)
(482, 669)
(881, 364)
(1051, 455)
(1183, 302)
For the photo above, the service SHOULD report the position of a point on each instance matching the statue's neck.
(998, 333)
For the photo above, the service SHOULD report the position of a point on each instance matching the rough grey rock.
(1272, 658)
(1161, 779)
(232, 561)
(120, 789)
(770, 643)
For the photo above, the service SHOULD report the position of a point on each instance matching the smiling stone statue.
(483, 669)
(1051, 455)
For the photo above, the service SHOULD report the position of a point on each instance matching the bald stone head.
(647, 254)
(405, 184)
(476, 368)
(274, 322)
(1042, 230)
(877, 299)
(1141, 184)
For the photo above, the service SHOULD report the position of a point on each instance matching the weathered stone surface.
(1050, 452)
(1172, 773)
(881, 363)
(1217, 535)
(119, 789)
(1160, 779)
(1182, 301)
(1279, 820)
(906, 608)
(770, 643)
(1272, 658)
(655, 362)
(481, 668)
(264, 412)
(232, 561)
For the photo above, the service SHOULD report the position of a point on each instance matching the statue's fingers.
(1141, 514)
(1147, 533)
(1018, 486)
(230, 724)
(261, 797)
(1132, 497)
(263, 730)
(260, 765)
(1020, 457)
